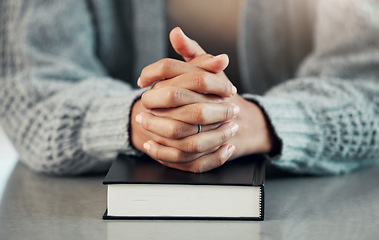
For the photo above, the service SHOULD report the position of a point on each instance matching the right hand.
(196, 153)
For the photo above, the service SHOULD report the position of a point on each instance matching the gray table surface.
(35, 206)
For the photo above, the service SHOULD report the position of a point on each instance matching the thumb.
(192, 52)
(210, 63)
(184, 46)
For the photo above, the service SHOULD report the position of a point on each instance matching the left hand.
(173, 140)
(254, 135)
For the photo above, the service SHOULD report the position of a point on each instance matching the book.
(141, 188)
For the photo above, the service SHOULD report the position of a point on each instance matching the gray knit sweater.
(68, 68)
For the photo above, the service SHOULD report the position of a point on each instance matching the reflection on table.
(35, 206)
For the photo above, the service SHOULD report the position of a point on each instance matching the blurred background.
(8, 158)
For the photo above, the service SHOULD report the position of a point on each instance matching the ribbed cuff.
(295, 127)
(105, 131)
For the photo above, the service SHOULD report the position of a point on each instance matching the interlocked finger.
(170, 128)
(171, 96)
(200, 113)
(203, 141)
(204, 163)
(170, 154)
(164, 69)
(201, 82)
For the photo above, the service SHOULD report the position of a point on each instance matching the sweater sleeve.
(328, 117)
(59, 108)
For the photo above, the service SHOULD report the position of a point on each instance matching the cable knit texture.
(59, 105)
(327, 114)
(67, 69)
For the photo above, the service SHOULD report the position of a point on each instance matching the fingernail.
(234, 90)
(234, 128)
(222, 61)
(236, 110)
(147, 146)
(139, 82)
(231, 149)
(139, 118)
(182, 32)
(220, 56)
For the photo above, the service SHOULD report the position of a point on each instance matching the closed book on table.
(141, 188)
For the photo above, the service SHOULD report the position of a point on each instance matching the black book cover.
(244, 171)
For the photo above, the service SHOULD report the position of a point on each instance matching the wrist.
(136, 139)
(274, 146)
(261, 135)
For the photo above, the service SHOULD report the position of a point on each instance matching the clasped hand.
(185, 94)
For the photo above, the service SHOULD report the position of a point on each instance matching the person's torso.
(265, 47)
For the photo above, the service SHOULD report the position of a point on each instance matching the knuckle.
(197, 114)
(171, 133)
(199, 80)
(173, 94)
(196, 168)
(193, 146)
(180, 156)
(224, 136)
(228, 114)
(165, 66)
(175, 131)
